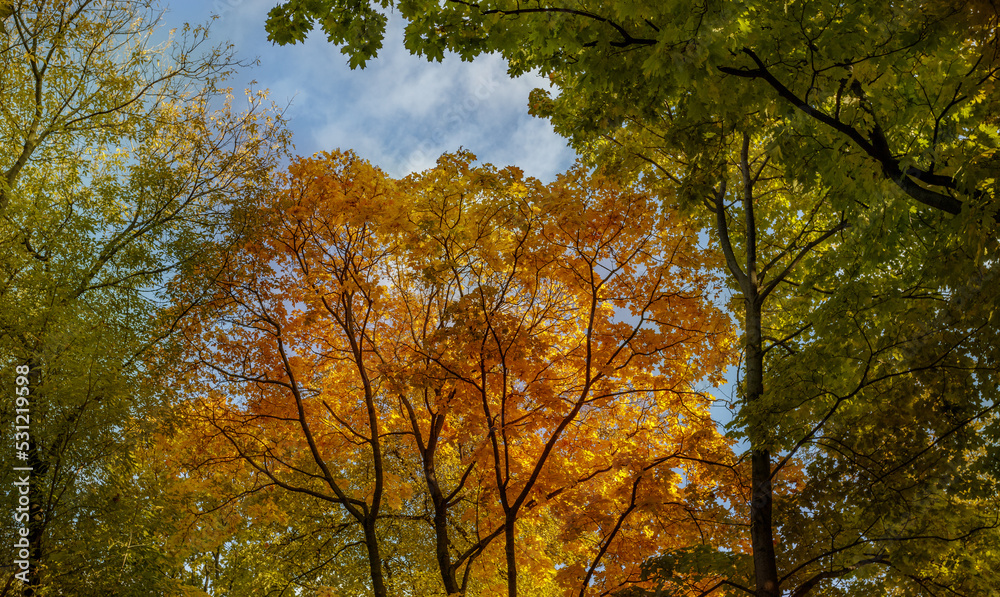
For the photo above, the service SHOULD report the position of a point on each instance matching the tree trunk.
(761, 526)
(374, 558)
(761, 531)
(443, 554)
(511, 558)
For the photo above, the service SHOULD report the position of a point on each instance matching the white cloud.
(400, 112)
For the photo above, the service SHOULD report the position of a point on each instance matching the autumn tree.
(534, 343)
(123, 157)
(887, 112)
(474, 362)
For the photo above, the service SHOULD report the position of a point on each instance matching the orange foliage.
(510, 363)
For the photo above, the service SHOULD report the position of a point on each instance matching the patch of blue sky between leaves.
(400, 112)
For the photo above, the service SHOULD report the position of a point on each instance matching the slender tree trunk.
(761, 523)
(761, 526)
(374, 558)
(761, 531)
(511, 558)
(443, 554)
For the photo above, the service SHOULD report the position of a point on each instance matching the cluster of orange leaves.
(472, 347)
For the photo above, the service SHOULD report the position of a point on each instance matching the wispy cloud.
(400, 112)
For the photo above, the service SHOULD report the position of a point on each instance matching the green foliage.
(696, 568)
(906, 91)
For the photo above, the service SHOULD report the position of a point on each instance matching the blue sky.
(400, 112)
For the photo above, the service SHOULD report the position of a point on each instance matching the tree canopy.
(906, 91)
(445, 361)
(843, 158)
(237, 374)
